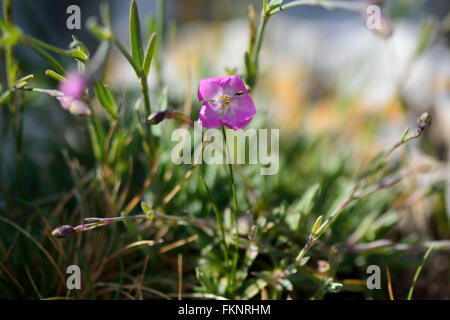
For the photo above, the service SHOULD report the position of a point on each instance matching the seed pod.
(159, 116)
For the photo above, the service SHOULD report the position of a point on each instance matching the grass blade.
(416, 276)
(106, 99)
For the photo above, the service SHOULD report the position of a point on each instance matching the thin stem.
(148, 129)
(222, 230)
(384, 246)
(234, 214)
(9, 50)
(94, 222)
(29, 40)
(385, 182)
(419, 269)
(381, 185)
(331, 5)
(11, 69)
(19, 147)
(259, 40)
(45, 55)
(218, 219)
(143, 83)
(144, 89)
(127, 56)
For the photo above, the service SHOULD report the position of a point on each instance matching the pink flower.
(72, 90)
(228, 103)
(74, 106)
(74, 85)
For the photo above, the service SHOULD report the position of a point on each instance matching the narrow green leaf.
(97, 138)
(145, 207)
(316, 225)
(106, 98)
(44, 54)
(428, 32)
(118, 144)
(149, 54)
(137, 50)
(4, 98)
(96, 146)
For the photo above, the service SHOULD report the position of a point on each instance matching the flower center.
(224, 101)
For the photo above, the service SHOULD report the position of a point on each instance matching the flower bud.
(63, 232)
(424, 121)
(158, 116)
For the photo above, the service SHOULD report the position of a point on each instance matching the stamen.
(224, 101)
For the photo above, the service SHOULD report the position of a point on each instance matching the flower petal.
(74, 85)
(232, 85)
(209, 89)
(240, 112)
(75, 107)
(209, 116)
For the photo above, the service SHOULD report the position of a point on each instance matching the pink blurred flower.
(74, 85)
(74, 106)
(228, 103)
(72, 90)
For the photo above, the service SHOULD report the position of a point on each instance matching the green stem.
(9, 50)
(219, 221)
(419, 269)
(49, 58)
(19, 148)
(331, 5)
(234, 216)
(144, 88)
(148, 129)
(127, 56)
(11, 77)
(145, 93)
(259, 39)
(28, 40)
